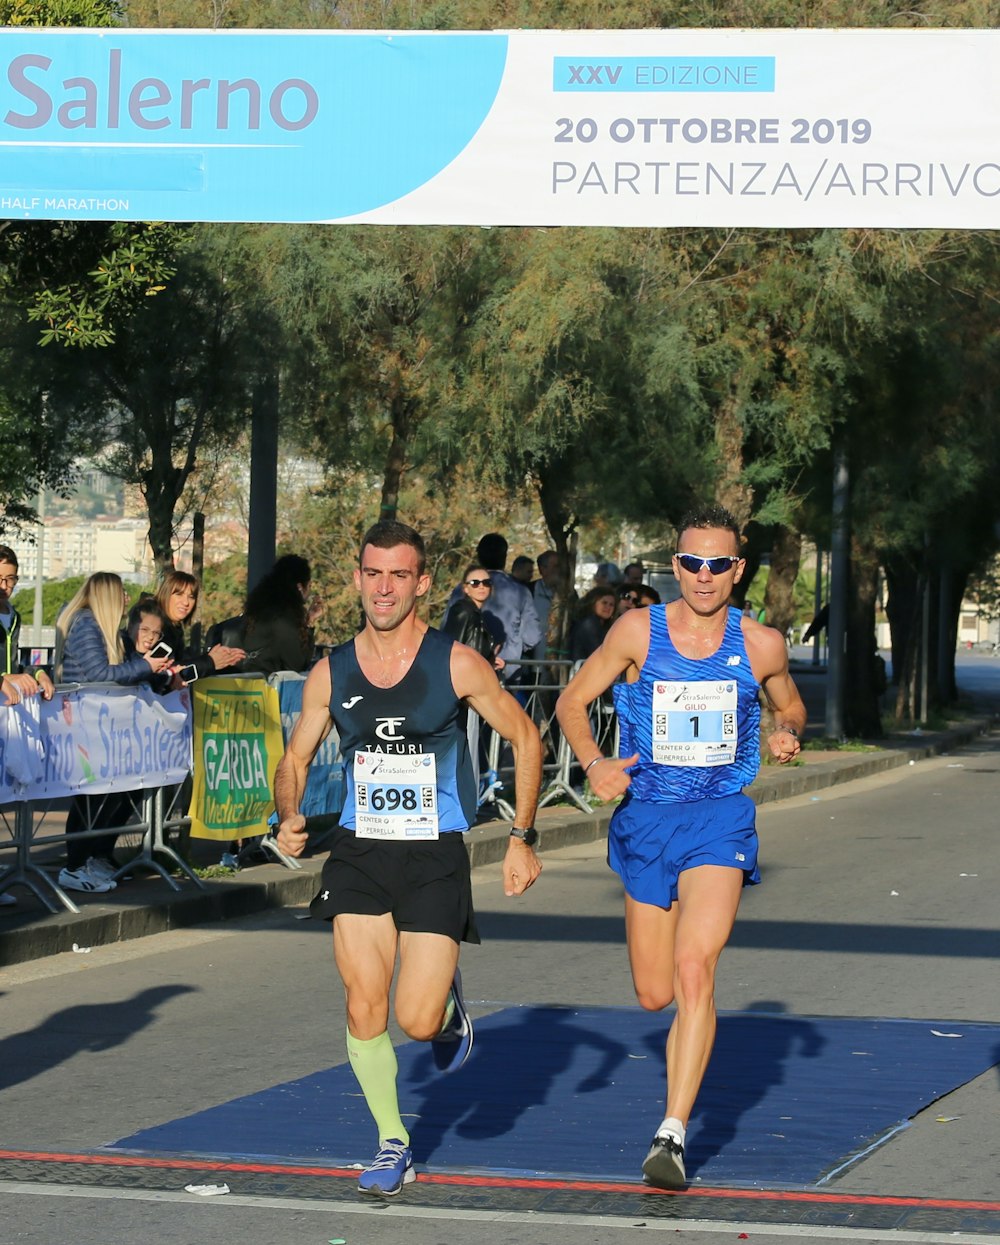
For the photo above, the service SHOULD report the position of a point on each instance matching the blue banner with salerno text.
(769, 128)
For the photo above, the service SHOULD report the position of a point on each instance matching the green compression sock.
(375, 1066)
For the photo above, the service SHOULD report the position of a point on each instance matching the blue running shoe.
(452, 1045)
(389, 1170)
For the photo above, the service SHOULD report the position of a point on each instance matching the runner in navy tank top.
(397, 879)
(683, 838)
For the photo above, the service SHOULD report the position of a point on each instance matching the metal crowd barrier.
(28, 823)
(157, 815)
(537, 687)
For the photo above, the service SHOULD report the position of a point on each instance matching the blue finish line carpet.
(573, 1093)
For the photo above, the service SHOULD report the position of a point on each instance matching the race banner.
(237, 747)
(325, 784)
(767, 128)
(88, 742)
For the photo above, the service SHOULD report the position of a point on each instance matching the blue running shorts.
(651, 844)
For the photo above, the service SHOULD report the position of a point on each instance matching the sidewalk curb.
(25, 936)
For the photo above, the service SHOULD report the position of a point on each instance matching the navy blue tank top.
(421, 714)
(695, 722)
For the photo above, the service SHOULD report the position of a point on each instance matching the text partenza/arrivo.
(760, 178)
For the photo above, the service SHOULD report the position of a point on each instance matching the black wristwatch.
(528, 836)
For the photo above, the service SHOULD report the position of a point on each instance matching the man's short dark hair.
(545, 558)
(710, 516)
(633, 566)
(492, 551)
(8, 555)
(388, 533)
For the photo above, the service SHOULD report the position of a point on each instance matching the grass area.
(827, 744)
(207, 872)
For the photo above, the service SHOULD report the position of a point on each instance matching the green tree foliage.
(174, 382)
(73, 282)
(372, 323)
(77, 279)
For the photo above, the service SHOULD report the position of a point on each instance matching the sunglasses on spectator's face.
(479, 583)
(693, 562)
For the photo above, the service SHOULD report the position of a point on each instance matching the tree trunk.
(161, 486)
(779, 596)
(756, 542)
(401, 414)
(903, 611)
(561, 524)
(955, 583)
(731, 491)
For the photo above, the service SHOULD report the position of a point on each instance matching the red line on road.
(506, 1182)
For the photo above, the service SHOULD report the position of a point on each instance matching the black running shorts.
(426, 885)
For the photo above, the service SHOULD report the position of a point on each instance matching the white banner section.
(785, 128)
(94, 740)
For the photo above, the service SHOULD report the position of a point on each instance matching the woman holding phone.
(90, 648)
(177, 597)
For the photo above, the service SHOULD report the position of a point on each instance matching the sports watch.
(528, 836)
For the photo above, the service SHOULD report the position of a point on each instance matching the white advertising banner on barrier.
(874, 128)
(90, 741)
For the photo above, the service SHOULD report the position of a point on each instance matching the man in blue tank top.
(683, 838)
(397, 878)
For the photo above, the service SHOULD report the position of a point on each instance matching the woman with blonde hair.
(177, 596)
(90, 648)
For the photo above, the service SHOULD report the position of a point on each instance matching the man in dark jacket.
(10, 624)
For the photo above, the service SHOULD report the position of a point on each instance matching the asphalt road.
(879, 899)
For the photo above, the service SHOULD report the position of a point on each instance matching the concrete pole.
(36, 630)
(839, 567)
(818, 603)
(263, 479)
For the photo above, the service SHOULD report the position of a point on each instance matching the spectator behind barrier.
(177, 597)
(511, 607)
(91, 649)
(10, 624)
(608, 574)
(278, 619)
(466, 620)
(144, 628)
(595, 615)
(627, 599)
(13, 689)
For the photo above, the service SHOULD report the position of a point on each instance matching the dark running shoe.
(663, 1166)
(452, 1045)
(389, 1170)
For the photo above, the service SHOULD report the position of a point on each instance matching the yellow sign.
(237, 747)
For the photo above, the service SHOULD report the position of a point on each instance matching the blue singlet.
(695, 724)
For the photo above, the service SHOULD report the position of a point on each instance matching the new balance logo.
(733, 661)
(349, 704)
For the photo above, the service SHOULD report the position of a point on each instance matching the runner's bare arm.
(476, 683)
(769, 661)
(625, 645)
(311, 729)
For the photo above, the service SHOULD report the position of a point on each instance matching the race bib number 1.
(395, 797)
(694, 723)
